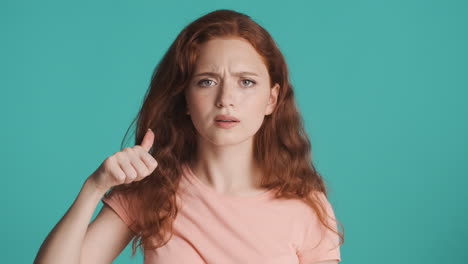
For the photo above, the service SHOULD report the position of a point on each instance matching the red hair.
(281, 146)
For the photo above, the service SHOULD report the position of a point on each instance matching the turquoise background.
(382, 86)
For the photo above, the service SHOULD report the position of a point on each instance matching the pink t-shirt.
(212, 227)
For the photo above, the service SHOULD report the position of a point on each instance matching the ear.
(273, 99)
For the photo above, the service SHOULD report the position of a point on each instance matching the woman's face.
(230, 78)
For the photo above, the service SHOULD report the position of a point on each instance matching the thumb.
(148, 140)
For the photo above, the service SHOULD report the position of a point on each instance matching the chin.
(227, 140)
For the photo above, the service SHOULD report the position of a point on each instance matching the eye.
(201, 82)
(253, 82)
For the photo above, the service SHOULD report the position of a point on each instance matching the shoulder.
(318, 244)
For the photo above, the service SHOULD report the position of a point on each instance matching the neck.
(227, 168)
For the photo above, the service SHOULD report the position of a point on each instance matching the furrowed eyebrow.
(214, 74)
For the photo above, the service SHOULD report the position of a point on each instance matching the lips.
(225, 118)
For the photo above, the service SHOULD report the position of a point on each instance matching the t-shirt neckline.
(203, 187)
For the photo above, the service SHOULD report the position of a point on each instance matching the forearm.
(63, 244)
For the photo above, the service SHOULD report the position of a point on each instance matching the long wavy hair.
(281, 145)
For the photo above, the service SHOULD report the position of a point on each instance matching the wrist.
(91, 187)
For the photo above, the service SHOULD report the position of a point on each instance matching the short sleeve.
(121, 205)
(319, 242)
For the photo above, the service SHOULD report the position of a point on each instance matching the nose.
(225, 95)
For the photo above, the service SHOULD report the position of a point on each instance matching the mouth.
(226, 119)
(226, 124)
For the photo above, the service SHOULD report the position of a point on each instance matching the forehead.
(234, 55)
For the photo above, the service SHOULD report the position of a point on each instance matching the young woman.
(226, 177)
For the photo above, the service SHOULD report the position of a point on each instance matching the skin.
(224, 158)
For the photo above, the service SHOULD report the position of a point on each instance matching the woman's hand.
(126, 166)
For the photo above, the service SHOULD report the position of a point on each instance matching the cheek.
(255, 112)
(257, 105)
(197, 103)
(200, 111)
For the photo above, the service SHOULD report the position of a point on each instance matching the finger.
(139, 166)
(118, 173)
(126, 166)
(148, 140)
(149, 161)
